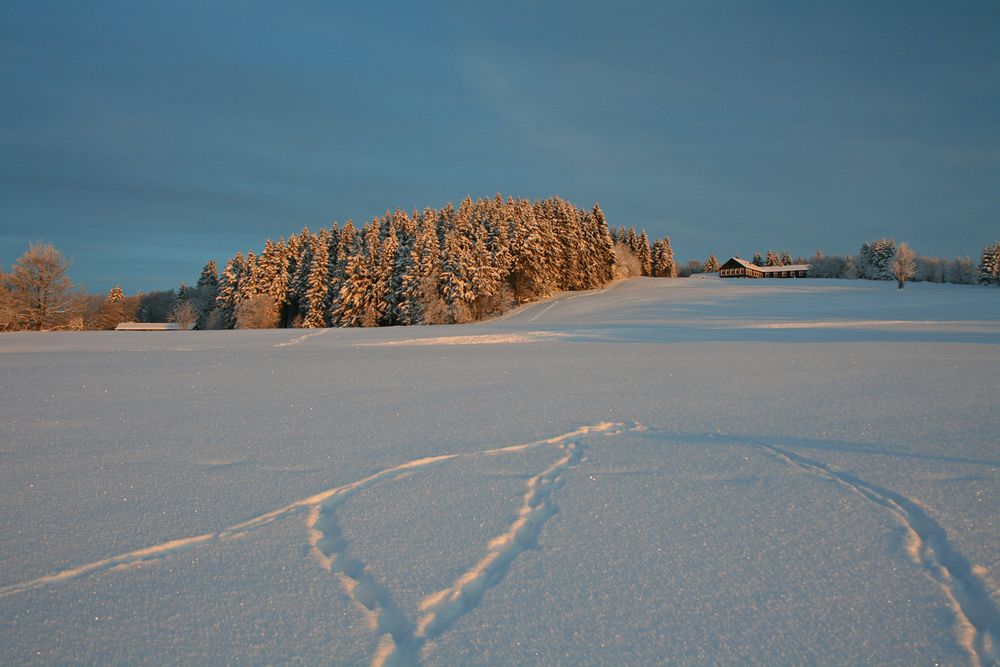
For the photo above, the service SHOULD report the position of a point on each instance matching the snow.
(679, 471)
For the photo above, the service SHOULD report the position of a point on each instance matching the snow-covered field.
(665, 472)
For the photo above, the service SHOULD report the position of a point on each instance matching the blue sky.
(143, 139)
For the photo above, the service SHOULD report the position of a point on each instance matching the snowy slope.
(664, 472)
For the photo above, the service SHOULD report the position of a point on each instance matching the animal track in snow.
(443, 608)
(399, 639)
(976, 614)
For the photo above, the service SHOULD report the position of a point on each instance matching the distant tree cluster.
(883, 260)
(774, 258)
(38, 295)
(437, 266)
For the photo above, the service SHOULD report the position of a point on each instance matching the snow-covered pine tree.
(711, 264)
(528, 271)
(772, 259)
(347, 247)
(405, 233)
(566, 226)
(632, 241)
(249, 286)
(361, 302)
(874, 259)
(456, 259)
(757, 259)
(786, 258)
(300, 265)
(229, 290)
(418, 283)
(318, 283)
(604, 247)
(273, 269)
(989, 265)
(644, 254)
(386, 282)
(485, 278)
(209, 275)
(663, 259)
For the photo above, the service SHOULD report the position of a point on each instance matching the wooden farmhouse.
(740, 268)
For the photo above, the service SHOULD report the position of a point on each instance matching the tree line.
(436, 266)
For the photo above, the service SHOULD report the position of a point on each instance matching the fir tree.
(874, 259)
(644, 255)
(989, 265)
(318, 284)
(663, 259)
(229, 290)
(209, 275)
(711, 264)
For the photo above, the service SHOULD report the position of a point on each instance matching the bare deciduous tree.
(184, 314)
(258, 312)
(904, 264)
(626, 263)
(42, 291)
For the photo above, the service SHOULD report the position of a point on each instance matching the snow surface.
(664, 472)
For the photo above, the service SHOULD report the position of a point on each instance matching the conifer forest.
(438, 266)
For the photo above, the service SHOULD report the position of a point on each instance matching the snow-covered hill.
(663, 472)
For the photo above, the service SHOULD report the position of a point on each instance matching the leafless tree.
(41, 290)
(904, 264)
(626, 263)
(184, 314)
(258, 312)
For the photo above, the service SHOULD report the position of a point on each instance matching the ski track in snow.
(303, 338)
(399, 640)
(977, 617)
(545, 310)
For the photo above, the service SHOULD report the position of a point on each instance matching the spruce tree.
(989, 265)
(209, 275)
(229, 290)
(318, 284)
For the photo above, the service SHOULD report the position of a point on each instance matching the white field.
(665, 472)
